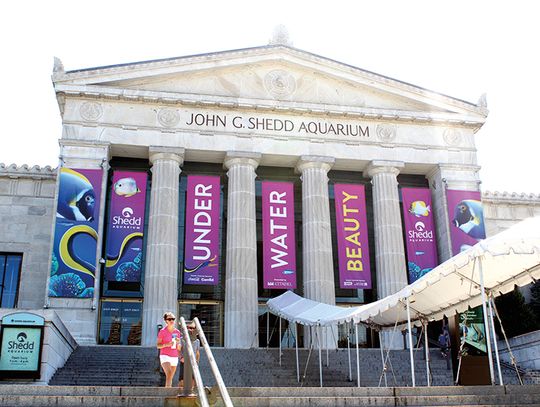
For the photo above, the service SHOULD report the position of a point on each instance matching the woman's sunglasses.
(171, 319)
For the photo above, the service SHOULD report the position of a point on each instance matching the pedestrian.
(196, 345)
(443, 343)
(169, 343)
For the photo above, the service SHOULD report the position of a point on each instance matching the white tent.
(490, 268)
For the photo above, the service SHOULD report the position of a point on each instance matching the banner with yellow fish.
(73, 266)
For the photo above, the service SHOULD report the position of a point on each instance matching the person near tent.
(169, 344)
(444, 340)
(196, 344)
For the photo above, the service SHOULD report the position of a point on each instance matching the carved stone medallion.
(386, 132)
(91, 111)
(452, 137)
(279, 83)
(168, 117)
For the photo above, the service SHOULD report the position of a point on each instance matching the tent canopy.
(509, 258)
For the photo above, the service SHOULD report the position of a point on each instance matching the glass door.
(120, 322)
(210, 315)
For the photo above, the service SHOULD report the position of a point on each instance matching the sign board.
(21, 340)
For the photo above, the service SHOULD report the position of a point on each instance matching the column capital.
(233, 158)
(313, 161)
(380, 167)
(156, 153)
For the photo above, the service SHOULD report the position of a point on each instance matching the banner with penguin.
(124, 243)
(73, 266)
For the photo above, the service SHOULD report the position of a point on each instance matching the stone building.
(270, 113)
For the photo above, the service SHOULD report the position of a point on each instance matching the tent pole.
(349, 351)
(486, 321)
(382, 360)
(426, 345)
(495, 345)
(280, 341)
(267, 329)
(318, 332)
(357, 355)
(410, 342)
(297, 362)
(326, 343)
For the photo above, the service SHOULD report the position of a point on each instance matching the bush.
(516, 316)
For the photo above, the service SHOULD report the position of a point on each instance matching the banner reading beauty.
(419, 232)
(201, 253)
(279, 243)
(466, 215)
(352, 236)
(124, 247)
(73, 266)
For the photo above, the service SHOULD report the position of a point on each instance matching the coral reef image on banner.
(73, 266)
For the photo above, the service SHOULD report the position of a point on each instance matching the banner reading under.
(419, 232)
(124, 246)
(201, 253)
(352, 236)
(279, 243)
(73, 266)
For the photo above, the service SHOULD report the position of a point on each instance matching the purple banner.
(419, 232)
(201, 253)
(73, 266)
(352, 236)
(466, 215)
(279, 247)
(124, 247)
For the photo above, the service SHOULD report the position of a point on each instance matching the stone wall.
(525, 348)
(26, 216)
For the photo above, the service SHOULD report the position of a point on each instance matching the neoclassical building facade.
(241, 118)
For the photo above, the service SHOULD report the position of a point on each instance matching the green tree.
(535, 300)
(516, 316)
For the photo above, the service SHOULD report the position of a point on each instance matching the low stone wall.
(58, 344)
(525, 348)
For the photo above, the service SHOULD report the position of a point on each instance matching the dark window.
(121, 322)
(10, 273)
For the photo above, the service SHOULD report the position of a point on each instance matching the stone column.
(389, 248)
(241, 307)
(318, 265)
(161, 270)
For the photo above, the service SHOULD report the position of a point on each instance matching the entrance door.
(210, 315)
(120, 322)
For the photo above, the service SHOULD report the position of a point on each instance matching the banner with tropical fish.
(73, 266)
(279, 243)
(420, 240)
(352, 236)
(466, 215)
(125, 230)
(201, 249)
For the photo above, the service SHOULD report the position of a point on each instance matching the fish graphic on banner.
(466, 215)
(125, 231)
(73, 266)
(419, 232)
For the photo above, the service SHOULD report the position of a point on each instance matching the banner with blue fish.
(125, 228)
(420, 239)
(73, 266)
(466, 215)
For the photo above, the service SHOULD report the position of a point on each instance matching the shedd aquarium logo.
(420, 233)
(127, 220)
(21, 344)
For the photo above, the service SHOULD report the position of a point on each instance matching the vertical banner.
(279, 243)
(419, 232)
(124, 246)
(352, 236)
(201, 252)
(73, 264)
(466, 215)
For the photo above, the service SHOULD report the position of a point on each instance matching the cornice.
(229, 102)
(511, 197)
(25, 171)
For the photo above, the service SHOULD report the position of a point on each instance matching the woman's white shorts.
(168, 359)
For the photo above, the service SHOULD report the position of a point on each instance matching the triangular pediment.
(270, 74)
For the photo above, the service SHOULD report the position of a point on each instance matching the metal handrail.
(193, 361)
(213, 365)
